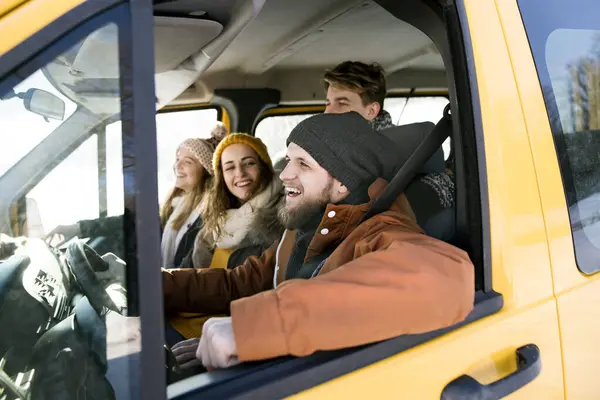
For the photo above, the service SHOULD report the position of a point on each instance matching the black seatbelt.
(432, 142)
(410, 95)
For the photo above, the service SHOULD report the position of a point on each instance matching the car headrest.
(408, 137)
(279, 165)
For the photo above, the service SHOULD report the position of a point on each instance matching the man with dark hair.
(360, 87)
(333, 280)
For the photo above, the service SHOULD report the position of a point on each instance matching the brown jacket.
(385, 279)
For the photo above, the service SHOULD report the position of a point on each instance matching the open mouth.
(292, 192)
(242, 184)
(180, 175)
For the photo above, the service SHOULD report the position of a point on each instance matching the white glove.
(217, 348)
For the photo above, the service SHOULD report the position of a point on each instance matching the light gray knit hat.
(203, 149)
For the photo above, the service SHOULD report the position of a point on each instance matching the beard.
(305, 211)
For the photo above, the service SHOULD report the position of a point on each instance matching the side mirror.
(43, 103)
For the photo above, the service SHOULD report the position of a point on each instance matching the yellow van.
(81, 82)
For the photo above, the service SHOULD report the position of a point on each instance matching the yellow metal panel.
(284, 110)
(580, 331)
(578, 296)
(30, 18)
(485, 351)
(226, 120)
(520, 258)
(520, 261)
(184, 107)
(544, 153)
(8, 5)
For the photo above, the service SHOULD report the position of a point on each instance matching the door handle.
(529, 365)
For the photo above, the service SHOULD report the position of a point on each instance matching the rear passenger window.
(565, 39)
(405, 111)
(273, 131)
(172, 128)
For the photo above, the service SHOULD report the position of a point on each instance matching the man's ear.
(339, 192)
(373, 110)
(343, 190)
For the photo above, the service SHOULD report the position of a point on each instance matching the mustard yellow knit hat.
(241, 138)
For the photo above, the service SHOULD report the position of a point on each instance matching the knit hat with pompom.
(203, 149)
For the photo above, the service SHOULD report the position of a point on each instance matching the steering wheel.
(170, 360)
(85, 264)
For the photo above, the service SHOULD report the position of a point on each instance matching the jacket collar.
(337, 224)
(382, 121)
(339, 220)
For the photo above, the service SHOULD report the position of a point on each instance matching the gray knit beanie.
(347, 147)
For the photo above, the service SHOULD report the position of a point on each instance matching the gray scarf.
(382, 121)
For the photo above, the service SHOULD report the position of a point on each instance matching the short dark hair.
(368, 80)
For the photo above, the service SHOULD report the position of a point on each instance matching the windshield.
(66, 238)
(20, 131)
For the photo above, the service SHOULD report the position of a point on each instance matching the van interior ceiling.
(322, 34)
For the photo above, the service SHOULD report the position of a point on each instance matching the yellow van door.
(485, 350)
(19, 19)
(563, 119)
(8, 5)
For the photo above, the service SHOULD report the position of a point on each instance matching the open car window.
(274, 130)
(18, 121)
(172, 128)
(65, 324)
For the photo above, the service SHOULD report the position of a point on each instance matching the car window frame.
(136, 52)
(287, 376)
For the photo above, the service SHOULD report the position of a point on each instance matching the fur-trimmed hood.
(254, 224)
(266, 227)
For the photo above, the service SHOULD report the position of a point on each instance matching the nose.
(287, 174)
(241, 171)
(329, 109)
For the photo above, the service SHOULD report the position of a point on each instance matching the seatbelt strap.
(410, 95)
(432, 142)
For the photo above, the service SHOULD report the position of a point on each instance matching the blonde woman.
(180, 213)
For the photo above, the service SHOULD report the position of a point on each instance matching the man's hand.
(62, 234)
(217, 347)
(185, 353)
(9, 245)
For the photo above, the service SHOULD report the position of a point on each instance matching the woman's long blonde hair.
(221, 199)
(191, 201)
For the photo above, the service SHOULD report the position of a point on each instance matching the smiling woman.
(242, 217)
(180, 213)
